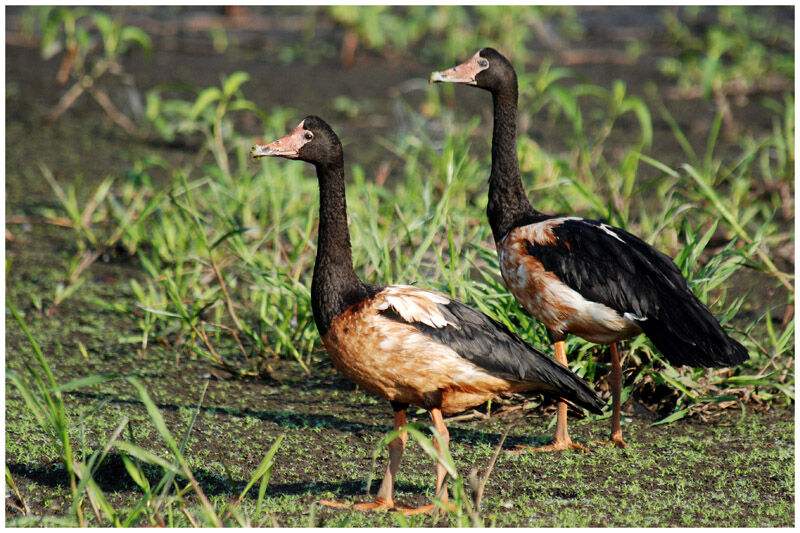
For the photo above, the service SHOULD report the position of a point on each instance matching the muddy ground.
(735, 468)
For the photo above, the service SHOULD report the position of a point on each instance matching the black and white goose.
(582, 276)
(408, 345)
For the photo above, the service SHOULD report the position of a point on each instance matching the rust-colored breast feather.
(393, 359)
(546, 297)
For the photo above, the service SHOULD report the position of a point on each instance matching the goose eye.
(308, 135)
(483, 63)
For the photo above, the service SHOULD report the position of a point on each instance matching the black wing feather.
(613, 267)
(490, 345)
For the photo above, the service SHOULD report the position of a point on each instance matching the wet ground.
(670, 475)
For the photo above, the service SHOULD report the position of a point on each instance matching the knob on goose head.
(312, 140)
(487, 69)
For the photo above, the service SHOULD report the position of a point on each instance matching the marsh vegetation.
(162, 364)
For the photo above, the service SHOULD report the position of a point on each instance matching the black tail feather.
(572, 388)
(690, 335)
(492, 346)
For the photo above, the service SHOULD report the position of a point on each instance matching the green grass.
(663, 478)
(192, 388)
(228, 254)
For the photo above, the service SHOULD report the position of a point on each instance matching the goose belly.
(559, 307)
(397, 362)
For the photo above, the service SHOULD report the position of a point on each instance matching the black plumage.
(608, 265)
(377, 353)
(637, 287)
(490, 345)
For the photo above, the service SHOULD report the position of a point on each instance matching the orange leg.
(441, 490)
(562, 440)
(615, 380)
(384, 499)
(438, 423)
(616, 397)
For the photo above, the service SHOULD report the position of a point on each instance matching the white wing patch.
(607, 229)
(542, 232)
(634, 318)
(414, 305)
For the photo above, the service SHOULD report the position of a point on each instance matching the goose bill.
(287, 146)
(466, 72)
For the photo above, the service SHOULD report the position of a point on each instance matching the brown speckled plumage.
(402, 343)
(548, 298)
(395, 360)
(582, 276)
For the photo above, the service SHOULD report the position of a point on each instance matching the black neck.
(507, 201)
(335, 285)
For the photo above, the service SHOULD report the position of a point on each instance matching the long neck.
(507, 200)
(335, 285)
